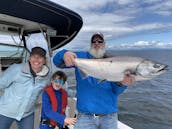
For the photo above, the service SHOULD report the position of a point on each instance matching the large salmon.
(114, 68)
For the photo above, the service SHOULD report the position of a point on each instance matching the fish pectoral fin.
(130, 72)
(103, 80)
(83, 74)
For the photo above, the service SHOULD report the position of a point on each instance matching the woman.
(22, 83)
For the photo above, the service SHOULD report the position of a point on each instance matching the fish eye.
(157, 65)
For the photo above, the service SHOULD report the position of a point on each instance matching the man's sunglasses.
(58, 81)
(97, 40)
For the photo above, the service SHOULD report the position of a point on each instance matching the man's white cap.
(97, 34)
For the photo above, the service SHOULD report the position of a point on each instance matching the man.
(96, 102)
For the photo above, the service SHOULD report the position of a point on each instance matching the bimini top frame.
(25, 17)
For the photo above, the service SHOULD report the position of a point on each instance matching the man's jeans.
(25, 123)
(89, 121)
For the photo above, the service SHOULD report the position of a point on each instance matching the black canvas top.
(66, 22)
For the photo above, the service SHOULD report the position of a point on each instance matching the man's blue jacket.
(93, 96)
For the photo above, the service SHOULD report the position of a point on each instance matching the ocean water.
(146, 104)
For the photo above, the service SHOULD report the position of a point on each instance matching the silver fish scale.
(114, 68)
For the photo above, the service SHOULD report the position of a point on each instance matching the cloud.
(132, 45)
(160, 7)
(142, 45)
(121, 17)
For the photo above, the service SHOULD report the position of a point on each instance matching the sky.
(124, 23)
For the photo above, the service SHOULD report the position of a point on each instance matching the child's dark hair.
(61, 75)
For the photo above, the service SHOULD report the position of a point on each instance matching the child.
(54, 102)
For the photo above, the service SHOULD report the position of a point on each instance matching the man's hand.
(69, 58)
(69, 121)
(128, 80)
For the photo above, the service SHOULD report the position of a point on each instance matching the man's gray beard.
(97, 53)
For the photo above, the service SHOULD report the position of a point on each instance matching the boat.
(25, 17)
(22, 18)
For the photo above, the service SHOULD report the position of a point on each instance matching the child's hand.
(70, 121)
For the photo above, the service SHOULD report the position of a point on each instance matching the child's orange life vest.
(54, 103)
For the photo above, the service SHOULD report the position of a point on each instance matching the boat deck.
(70, 112)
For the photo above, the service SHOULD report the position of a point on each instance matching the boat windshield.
(10, 54)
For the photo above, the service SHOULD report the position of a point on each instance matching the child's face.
(57, 83)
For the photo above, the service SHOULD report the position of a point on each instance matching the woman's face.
(57, 83)
(37, 62)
